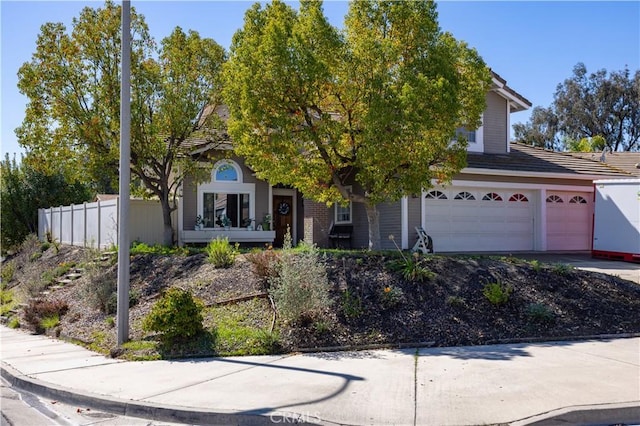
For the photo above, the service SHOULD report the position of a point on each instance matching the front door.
(282, 217)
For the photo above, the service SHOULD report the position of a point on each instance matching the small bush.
(221, 253)
(536, 265)
(38, 310)
(45, 246)
(301, 287)
(540, 312)
(391, 297)
(49, 322)
(7, 270)
(497, 293)
(35, 256)
(351, 304)
(456, 301)
(14, 322)
(177, 316)
(99, 289)
(264, 264)
(562, 269)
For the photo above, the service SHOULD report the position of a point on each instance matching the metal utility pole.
(125, 177)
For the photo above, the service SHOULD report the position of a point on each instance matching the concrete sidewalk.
(516, 383)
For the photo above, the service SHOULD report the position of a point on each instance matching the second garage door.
(569, 217)
(473, 220)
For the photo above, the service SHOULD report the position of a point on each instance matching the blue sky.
(533, 45)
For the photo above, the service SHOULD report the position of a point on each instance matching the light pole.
(125, 177)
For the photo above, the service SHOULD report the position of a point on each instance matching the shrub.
(45, 246)
(14, 322)
(99, 289)
(7, 270)
(351, 304)
(456, 301)
(497, 293)
(562, 269)
(177, 316)
(536, 265)
(221, 253)
(264, 264)
(391, 297)
(37, 310)
(540, 312)
(301, 287)
(49, 322)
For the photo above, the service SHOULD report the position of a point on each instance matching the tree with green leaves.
(585, 105)
(374, 108)
(24, 190)
(73, 114)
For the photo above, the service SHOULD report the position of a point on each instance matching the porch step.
(73, 276)
(63, 281)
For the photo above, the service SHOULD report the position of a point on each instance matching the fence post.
(60, 228)
(72, 224)
(84, 232)
(99, 225)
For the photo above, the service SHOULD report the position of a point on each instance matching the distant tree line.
(590, 112)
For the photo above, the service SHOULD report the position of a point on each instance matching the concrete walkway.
(575, 382)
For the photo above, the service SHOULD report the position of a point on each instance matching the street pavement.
(571, 382)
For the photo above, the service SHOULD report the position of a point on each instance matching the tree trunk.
(373, 219)
(167, 230)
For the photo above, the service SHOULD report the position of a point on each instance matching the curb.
(130, 408)
(600, 414)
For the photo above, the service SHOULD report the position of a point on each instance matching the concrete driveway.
(626, 270)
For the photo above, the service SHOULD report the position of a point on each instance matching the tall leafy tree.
(541, 130)
(73, 115)
(375, 107)
(23, 190)
(589, 105)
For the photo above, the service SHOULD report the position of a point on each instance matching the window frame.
(337, 206)
(226, 187)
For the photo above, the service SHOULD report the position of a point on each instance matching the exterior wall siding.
(390, 224)
(415, 218)
(495, 124)
(189, 203)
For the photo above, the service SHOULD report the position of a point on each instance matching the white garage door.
(473, 219)
(569, 216)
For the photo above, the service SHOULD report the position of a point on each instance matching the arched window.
(464, 196)
(519, 198)
(435, 195)
(226, 201)
(578, 200)
(492, 196)
(227, 171)
(554, 199)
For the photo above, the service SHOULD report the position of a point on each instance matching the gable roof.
(528, 159)
(628, 162)
(517, 102)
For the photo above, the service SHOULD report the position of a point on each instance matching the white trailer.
(616, 224)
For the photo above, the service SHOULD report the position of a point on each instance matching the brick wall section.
(316, 223)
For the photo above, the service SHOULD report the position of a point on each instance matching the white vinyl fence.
(96, 224)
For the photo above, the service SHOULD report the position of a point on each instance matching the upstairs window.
(469, 135)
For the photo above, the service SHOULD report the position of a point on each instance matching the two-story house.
(510, 197)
